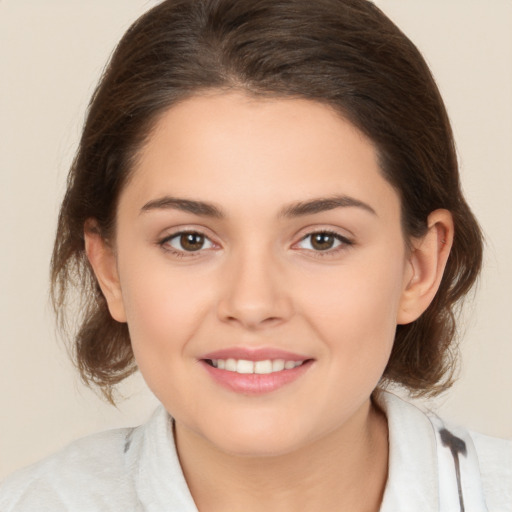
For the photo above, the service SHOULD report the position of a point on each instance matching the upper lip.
(254, 354)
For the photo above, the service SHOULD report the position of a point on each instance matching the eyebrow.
(324, 204)
(298, 209)
(186, 205)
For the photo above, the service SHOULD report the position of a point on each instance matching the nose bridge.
(255, 288)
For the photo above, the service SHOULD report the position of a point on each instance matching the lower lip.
(254, 383)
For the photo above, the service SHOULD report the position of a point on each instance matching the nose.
(255, 294)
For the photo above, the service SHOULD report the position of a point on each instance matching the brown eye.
(192, 241)
(188, 242)
(322, 241)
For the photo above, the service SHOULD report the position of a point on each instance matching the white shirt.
(137, 469)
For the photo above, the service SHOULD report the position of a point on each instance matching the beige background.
(51, 54)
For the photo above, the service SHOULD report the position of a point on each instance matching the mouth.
(263, 367)
(255, 371)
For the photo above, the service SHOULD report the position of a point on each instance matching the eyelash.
(344, 243)
(163, 243)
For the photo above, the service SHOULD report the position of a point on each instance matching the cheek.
(162, 319)
(163, 307)
(355, 307)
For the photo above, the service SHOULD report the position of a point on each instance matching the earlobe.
(427, 261)
(102, 258)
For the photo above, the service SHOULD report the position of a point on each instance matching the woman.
(264, 216)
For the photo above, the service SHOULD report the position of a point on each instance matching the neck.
(345, 470)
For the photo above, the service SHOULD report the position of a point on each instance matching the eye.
(323, 241)
(187, 241)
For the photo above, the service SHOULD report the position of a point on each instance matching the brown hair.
(345, 53)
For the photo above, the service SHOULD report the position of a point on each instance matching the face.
(261, 267)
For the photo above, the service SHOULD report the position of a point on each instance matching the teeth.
(243, 366)
(278, 365)
(263, 366)
(259, 367)
(231, 365)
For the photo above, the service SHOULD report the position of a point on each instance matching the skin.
(318, 443)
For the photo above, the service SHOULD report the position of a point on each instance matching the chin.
(257, 446)
(258, 437)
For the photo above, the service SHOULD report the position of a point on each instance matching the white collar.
(413, 471)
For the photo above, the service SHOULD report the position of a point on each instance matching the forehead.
(233, 149)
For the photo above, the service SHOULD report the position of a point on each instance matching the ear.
(427, 261)
(103, 261)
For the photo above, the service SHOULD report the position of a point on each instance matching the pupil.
(322, 241)
(192, 241)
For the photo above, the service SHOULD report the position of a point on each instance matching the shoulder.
(495, 460)
(131, 469)
(77, 478)
(485, 462)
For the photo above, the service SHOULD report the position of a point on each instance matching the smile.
(256, 376)
(245, 366)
